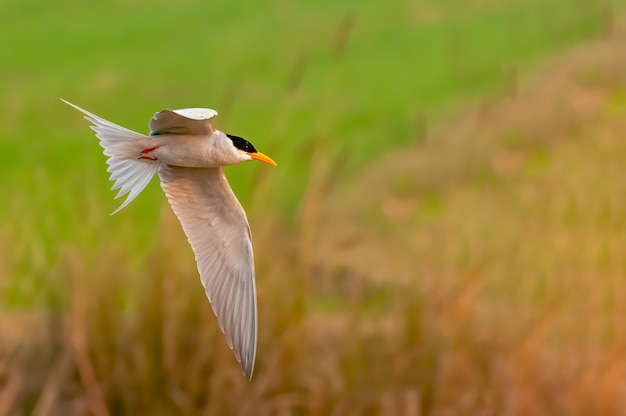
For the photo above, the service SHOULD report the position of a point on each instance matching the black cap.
(242, 144)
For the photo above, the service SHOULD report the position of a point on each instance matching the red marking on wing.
(148, 150)
(145, 152)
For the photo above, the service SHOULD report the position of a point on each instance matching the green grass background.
(278, 72)
(344, 81)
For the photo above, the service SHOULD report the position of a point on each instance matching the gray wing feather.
(217, 229)
(187, 121)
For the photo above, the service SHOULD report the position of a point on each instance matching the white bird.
(189, 155)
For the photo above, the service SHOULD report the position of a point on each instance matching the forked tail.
(124, 148)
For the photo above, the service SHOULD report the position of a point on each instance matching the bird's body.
(189, 155)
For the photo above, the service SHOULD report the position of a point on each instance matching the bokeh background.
(444, 234)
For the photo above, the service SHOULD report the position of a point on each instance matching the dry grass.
(481, 273)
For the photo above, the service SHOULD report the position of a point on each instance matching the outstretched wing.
(192, 121)
(217, 229)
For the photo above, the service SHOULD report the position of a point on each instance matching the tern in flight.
(189, 155)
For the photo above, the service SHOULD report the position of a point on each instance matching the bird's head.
(245, 151)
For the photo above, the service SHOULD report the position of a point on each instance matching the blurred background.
(444, 234)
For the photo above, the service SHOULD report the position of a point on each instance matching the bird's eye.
(242, 144)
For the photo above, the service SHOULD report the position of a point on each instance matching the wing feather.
(186, 121)
(217, 229)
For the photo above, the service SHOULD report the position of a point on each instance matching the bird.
(189, 155)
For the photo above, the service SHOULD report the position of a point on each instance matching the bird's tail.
(130, 172)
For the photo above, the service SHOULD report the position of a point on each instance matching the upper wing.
(192, 121)
(218, 231)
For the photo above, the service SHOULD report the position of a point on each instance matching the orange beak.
(262, 158)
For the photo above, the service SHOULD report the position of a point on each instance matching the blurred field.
(443, 235)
